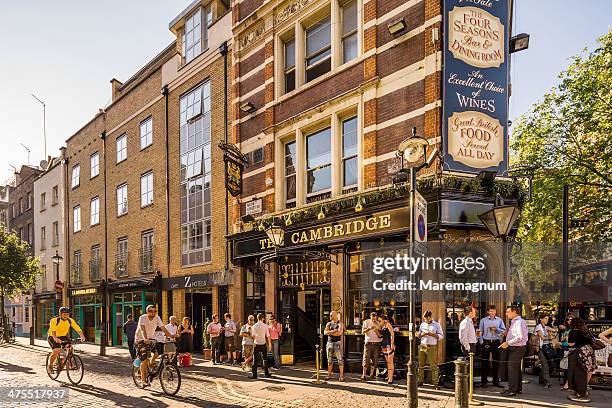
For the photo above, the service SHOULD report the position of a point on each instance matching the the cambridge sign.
(476, 85)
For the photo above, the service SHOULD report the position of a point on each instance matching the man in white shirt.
(148, 325)
(467, 334)
(261, 338)
(172, 328)
(371, 347)
(430, 333)
(214, 330)
(229, 330)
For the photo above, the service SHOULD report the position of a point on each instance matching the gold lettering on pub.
(475, 139)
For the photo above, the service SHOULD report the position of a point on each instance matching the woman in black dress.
(388, 346)
(185, 331)
(581, 360)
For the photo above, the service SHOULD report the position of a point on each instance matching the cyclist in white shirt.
(148, 325)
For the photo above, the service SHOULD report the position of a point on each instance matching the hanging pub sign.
(233, 176)
(476, 85)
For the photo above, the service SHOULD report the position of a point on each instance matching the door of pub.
(303, 314)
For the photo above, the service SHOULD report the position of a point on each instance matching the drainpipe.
(223, 51)
(165, 93)
(104, 282)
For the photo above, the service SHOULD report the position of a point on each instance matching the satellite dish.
(43, 164)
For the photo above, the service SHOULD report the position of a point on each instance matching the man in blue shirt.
(491, 328)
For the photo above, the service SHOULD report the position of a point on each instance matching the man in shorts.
(148, 325)
(334, 330)
(59, 332)
(246, 332)
(229, 331)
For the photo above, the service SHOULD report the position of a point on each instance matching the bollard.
(471, 379)
(461, 383)
(317, 363)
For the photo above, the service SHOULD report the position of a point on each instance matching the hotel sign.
(384, 222)
(476, 85)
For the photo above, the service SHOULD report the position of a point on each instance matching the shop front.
(194, 296)
(46, 308)
(130, 297)
(86, 305)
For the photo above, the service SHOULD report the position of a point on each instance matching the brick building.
(21, 221)
(145, 213)
(324, 92)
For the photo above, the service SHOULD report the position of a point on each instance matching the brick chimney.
(115, 85)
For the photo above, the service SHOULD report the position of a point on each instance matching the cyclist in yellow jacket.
(59, 330)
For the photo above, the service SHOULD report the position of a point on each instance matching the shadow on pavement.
(15, 368)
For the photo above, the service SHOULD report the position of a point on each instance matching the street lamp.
(500, 219)
(57, 260)
(411, 150)
(276, 235)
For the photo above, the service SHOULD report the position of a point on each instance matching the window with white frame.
(146, 189)
(43, 238)
(94, 165)
(76, 218)
(318, 49)
(55, 195)
(195, 38)
(146, 132)
(55, 238)
(43, 201)
(94, 211)
(349, 31)
(76, 176)
(289, 51)
(350, 163)
(121, 148)
(195, 175)
(290, 165)
(29, 199)
(318, 163)
(122, 199)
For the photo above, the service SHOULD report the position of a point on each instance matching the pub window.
(289, 49)
(290, 163)
(318, 49)
(255, 291)
(318, 165)
(349, 31)
(349, 154)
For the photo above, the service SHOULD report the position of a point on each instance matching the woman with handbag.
(581, 360)
(544, 334)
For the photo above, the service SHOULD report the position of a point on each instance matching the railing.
(76, 277)
(145, 255)
(121, 264)
(94, 269)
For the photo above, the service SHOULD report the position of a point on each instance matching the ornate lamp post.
(57, 260)
(411, 150)
(500, 219)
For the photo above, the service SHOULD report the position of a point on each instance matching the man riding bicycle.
(148, 325)
(59, 331)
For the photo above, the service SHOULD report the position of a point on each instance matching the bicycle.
(71, 362)
(166, 370)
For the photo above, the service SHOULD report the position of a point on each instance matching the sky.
(67, 51)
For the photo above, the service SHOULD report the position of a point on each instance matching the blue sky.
(66, 52)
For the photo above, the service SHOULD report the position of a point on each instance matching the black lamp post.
(500, 219)
(57, 260)
(276, 235)
(411, 150)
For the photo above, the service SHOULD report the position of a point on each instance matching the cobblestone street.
(107, 382)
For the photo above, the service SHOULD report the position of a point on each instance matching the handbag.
(563, 364)
(597, 344)
(548, 350)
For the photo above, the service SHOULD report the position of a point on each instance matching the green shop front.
(86, 304)
(129, 297)
(46, 308)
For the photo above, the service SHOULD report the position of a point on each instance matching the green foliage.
(18, 269)
(567, 139)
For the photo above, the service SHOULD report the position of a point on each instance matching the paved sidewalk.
(216, 386)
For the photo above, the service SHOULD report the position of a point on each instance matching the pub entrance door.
(303, 314)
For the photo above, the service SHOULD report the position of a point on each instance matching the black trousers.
(515, 374)
(132, 349)
(466, 352)
(215, 345)
(577, 375)
(490, 348)
(260, 356)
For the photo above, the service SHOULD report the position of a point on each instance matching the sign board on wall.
(254, 207)
(476, 85)
(233, 176)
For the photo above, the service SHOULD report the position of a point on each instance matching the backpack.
(533, 344)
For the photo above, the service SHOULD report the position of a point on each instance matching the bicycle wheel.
(136, 377)
(170, 379)
(56, 369)
(75, 369)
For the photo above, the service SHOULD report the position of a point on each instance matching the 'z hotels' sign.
(476, 85)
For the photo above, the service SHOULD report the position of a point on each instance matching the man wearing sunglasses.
(148, 324)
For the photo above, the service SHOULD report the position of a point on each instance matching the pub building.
(86, 309)
(322, 111)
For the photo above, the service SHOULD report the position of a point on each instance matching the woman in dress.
(388, 346)
(185, 332)
(581, 360)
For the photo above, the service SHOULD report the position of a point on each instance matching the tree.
(567, 139)
(18, 269)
